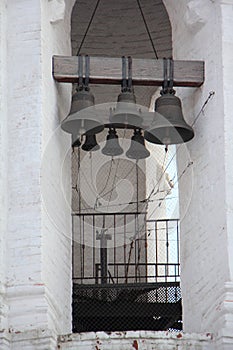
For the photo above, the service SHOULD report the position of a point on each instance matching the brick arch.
(118, 28)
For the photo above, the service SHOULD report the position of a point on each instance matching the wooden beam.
(146, 72)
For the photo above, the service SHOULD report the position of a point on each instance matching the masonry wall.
(3, 162)
(206, 33)
(56, 169)
(141, 340)
(35, 228)
(25, 292)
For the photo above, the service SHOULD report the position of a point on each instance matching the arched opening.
(118, 30)
(112, 229)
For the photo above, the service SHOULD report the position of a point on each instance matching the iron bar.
(120, 269)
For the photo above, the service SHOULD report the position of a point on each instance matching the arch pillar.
(203, 30)
(36, 253)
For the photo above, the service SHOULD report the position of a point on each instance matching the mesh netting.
(127, 307)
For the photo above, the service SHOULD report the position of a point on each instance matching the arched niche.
(118, 30)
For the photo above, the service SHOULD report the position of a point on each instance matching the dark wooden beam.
(146, 72)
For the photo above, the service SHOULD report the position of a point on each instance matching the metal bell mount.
(169, 126)
(126, 114)
(82, 119)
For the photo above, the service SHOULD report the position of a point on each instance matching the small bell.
(137, 148)
(169, 126)
(90, 143)
(112, 147)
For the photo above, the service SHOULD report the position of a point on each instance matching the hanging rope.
(88, 27)
(147, 29)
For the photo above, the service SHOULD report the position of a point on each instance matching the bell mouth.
(126, 115)
(82, 122)
(169, 135)
(90, 148)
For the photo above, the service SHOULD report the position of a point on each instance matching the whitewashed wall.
(206, 33)
(25, 290)
(35, 228)
(143, 340)
(36, 246)
(55, 169)
(3, 162)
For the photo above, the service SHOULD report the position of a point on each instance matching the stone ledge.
(145, 340)
(4, 340)
(39, 339)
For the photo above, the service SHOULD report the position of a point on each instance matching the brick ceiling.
(118, 29)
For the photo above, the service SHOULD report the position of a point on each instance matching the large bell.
(82, 118)
(169, 126)
(112, 147)
(137, 148)
(90, 143)
(126, 113)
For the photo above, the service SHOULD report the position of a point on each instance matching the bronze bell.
(112, 147)
(90, 143)
(82, 118)
(169, 126)
(126, 113)
(137, 148)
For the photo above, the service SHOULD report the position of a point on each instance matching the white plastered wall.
(24, 292)
(38, 264)
(56, 169)
(202, 30)
(3, 162)
(35, 224)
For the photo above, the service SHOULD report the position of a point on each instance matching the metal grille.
(129, 281)
(109, 248)
(149, 306)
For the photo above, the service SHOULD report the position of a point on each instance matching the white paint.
(206, 230)
(3, 162)
(57, 10)
(143, 340)
(39, 339)
(196, 15)
(55, 178)
(35, 226)
(23, 263)
(38, 262)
